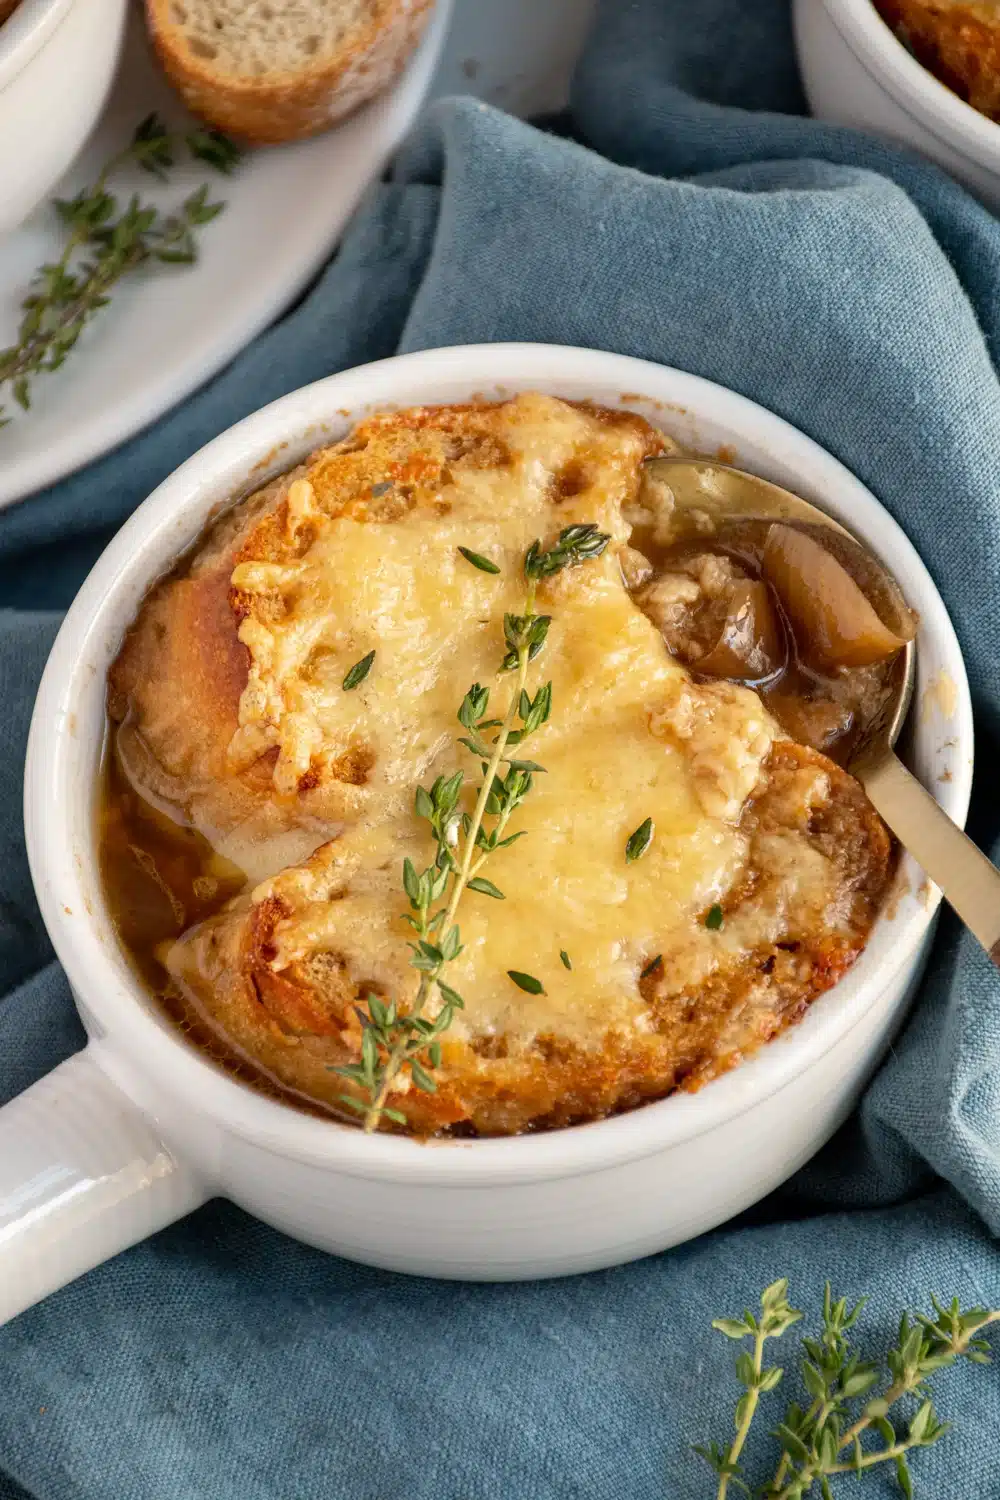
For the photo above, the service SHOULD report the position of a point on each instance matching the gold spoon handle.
(969, 882)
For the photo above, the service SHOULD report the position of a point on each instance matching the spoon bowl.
(969, 881)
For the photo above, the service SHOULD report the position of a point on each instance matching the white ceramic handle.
(82, 1175)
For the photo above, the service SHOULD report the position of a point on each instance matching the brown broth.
(161, 878)
(827, 711)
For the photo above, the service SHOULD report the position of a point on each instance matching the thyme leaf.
(526, 982)
(358, 672)
(575, 545)
(484, 564)
(638, 842)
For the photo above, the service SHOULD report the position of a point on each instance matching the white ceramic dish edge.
(223, 1128)
(21, 35)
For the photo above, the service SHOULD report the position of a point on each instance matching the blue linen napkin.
(854, 290)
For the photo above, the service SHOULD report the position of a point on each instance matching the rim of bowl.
(176, 511)
(24, 32)
(877, 47)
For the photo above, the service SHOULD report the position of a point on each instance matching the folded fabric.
(699, 221)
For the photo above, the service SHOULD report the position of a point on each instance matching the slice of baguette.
(268, 71)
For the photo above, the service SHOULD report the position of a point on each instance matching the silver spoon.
(968, 880)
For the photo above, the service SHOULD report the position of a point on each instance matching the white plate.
(169, 329)
(517, 54)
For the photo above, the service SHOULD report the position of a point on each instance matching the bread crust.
(174, 689)
(298, 103)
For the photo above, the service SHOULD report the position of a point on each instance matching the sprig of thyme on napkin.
(834, 1434)
(394, 1039)
(67, 293)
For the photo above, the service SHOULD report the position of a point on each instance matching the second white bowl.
(856, 72)
(57, 63)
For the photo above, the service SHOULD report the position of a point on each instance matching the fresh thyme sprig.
(394, 1039)
(831, 1436)
(775, 1317)
(67, 293)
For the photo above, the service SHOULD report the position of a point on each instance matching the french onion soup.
(458, 783)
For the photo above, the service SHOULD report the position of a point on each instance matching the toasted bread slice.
(268, 71)
(531, 1064)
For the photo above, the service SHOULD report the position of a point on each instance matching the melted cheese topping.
(630, 737)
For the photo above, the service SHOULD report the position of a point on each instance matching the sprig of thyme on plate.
(66, 294)
(832, 1436)
(394, 1039)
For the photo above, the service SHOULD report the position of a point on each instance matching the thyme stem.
(908, 1384)
(393, 1039)
(467, 870)
(813, 1412)
(750, 1407)
(30, 348)
(825, 1440)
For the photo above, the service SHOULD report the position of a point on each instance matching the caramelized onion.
(750, 646)
(834, 624)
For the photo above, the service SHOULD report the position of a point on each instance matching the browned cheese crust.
(175, 695)
(959, 44)
(176, 684)
(301, 1021)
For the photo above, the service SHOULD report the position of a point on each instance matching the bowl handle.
(82, 1175)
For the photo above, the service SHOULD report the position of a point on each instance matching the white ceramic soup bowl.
(139, 1128)
(857, 72)
(57, 62)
